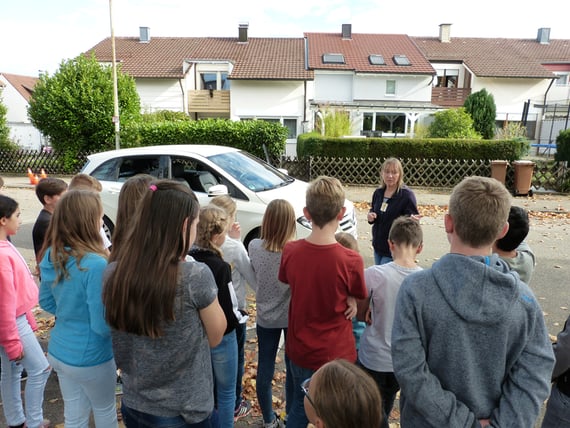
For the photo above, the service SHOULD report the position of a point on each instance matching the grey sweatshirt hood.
(480, 291)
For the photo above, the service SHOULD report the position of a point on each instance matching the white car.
(251, 182)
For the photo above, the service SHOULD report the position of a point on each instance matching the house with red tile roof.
(15, 92)
(383, 81)
(239, 78)
(527, 77)
(388, 83)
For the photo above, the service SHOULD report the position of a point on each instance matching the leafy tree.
(481, 106)
(5, 142)
(453, 123)
(74, 107)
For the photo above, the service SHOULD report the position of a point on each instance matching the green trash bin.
(524, 170)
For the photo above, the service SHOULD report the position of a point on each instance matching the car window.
(140, 165)
(253, 173)
(200, 177)
(107, 171)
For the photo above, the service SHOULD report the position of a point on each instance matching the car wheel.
(108, 227)
(254, 234)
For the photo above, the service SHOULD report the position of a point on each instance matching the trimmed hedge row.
(426, 148)
(254, 136)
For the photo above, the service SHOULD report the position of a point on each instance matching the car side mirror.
(217, 189)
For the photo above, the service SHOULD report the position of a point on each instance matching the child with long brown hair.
(272, 299)
(164, 313)
(211, 234)
(80, 349)
(130, 195)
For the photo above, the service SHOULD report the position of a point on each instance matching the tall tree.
(74, 107)
(481, 106)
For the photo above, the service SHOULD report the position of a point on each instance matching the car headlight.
(303, 221)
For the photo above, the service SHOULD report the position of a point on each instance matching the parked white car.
(251, 182)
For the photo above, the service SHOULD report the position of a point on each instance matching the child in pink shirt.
(19, 347)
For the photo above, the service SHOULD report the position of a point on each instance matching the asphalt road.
(548, 238)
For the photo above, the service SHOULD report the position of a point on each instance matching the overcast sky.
(39, 34)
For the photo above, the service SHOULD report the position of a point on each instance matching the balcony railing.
(449, 97)
(208, 101)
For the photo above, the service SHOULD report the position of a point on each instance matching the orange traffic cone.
(36, 179)
(31, 176)
(43, 174)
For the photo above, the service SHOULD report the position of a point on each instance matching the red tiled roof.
(23, 84)
(357, 49)
(259, 58)
(520, 58)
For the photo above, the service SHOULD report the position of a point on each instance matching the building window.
(562, 79)
(376, 60)
(330, 58)
(447, 78)
(401, 60)
(390, 87)
(214, 80)
(291, 125)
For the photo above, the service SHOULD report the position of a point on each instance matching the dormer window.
(333, 58)
(401, 60)
(376, 60)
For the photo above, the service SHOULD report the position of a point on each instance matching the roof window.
(376, 59)
(330, 58)
(401, 60)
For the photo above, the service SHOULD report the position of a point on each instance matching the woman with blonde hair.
(389, 201)
(272, 300)
(79, 349)
(342, 395)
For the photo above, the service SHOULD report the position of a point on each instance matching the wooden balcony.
(449, 97)
(209, 101)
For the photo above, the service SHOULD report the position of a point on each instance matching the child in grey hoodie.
(469, 344)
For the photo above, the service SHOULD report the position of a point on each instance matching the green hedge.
(313, 144)
(249, 135)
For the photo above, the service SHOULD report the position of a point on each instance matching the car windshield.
(253, 173)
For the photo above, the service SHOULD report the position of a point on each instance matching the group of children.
(464, 341)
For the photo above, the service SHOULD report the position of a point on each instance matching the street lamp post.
(116, 120)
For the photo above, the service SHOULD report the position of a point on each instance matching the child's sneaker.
(277, 423)
(242, 410)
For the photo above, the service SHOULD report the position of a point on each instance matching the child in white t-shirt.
(383, 283)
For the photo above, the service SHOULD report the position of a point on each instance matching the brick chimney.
(445, 33)
(242, 32)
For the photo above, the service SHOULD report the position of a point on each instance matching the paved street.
(550, 226)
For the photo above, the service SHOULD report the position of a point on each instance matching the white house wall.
(408, 88)
(269, 100)
(160, 94)
(26, 135)
(253, 98)
(22, 132)
(511, 94)
(333, 87)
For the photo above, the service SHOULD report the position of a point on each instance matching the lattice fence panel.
(19, 161)
(439, 173)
